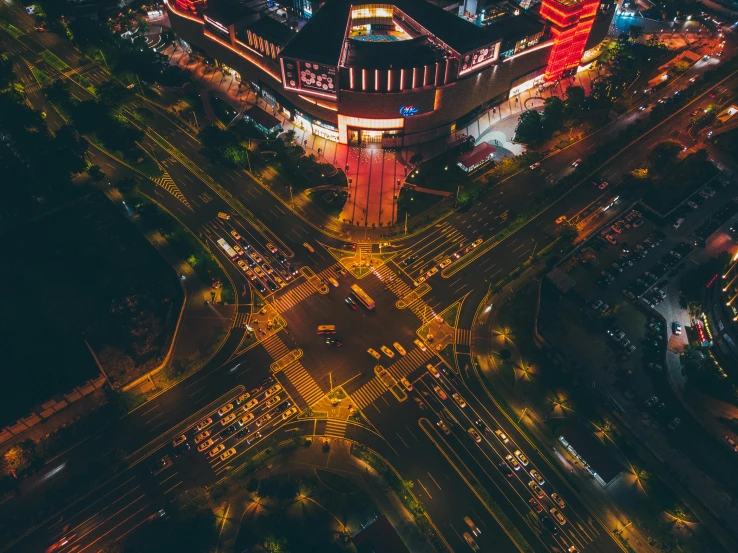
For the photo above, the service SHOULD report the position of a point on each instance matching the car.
(536, 489)
(549, 525)
(470, 541)
(433, 370)
(604, 308)
(676, 421)
(228, 419)
(289, 412)
(334, 341)
(399, 348)
(444, 427)
(420, 344)
(271, 247)
(521, 456)
(160, 465)
(629, 294)
(251, 404)
(217, 449)
(630, 349)
(693, 205)
(505, 469)
(561, 219)
(650, 402)
(533, 502)
(596, 305)
(625, 343)
(445, 263)
(459, 399)
(273, 401)
(676, 328)
(284, 405)
(576, 162)
(352, 304)
(483, 427)
(439, 391)
(557, 515)
(180, 440)
(502, 436)
(475, 435)
(264, 418)
(235, 235)
(181, 449)
(573, 549)
(406, 384)
(513, 462)
(388, 352)
(201, 436)
(473, 527)
(206, 444)
(259, 272)
(242, 264)
(228, 453)
(238, 250)
(619, 335)
(537, 475)
(604, 184)
(678, 222)
(556, 498)
(374, 353)
(203, 424)
(273, 390)
(617, 267)
(536, 165)
(243, 397)
(476, 243)
(228, 407)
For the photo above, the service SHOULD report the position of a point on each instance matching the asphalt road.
(443, 468)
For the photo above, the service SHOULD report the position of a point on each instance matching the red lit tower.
(571, 22)
(192, 6)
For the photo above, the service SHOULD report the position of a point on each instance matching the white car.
(596, 305)
(576, 162)
(537, 475)
(536, 165)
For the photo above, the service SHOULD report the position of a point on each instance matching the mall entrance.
(383, 137)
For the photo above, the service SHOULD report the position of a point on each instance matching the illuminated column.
(571, 21)
(192, 6)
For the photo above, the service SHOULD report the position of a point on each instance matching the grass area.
(440, 173)
(12, 30)
(41, 78)
(54, 61)
(98, 281)
(449, 314)
(412, 205)
(329, 201)
(447, 354)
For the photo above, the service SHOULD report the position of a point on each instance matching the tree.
(289, 136)
(268, 487)
(553, 114)
(18, 458)
(576, 100)
(416, 159)
(530, 127)
(635, 31)
(6, 71)
(568, 234)
(664, 155)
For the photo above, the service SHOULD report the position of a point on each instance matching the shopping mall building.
(397, 73)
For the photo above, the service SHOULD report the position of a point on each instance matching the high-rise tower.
(571, 21)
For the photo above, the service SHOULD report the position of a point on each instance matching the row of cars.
(389, 353)
(261, 273)
(629, 257)
(230, 419)
(714, 222)
(670, 263)
(443, 264)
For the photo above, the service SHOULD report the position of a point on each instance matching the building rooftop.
(272, 30)
(321, 39)
(514, 27)
(386, 55)
(480, 153)
(228, 12)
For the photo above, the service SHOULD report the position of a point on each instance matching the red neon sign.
(571, 25)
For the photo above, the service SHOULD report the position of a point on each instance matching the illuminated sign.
(407, 111)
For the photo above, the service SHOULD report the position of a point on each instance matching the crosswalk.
(239, 321)
(293, 296)
(408, 363)
(364, 250)
(399, 288)
(275, 346)
(365, 396)
(166, 182)
(330, 272)
(463, 336)
(303, 383)
(336, 428)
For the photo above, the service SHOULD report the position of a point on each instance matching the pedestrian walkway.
(336, 428)
(305, 385)
(275, 347)
(463, 336)
(398, 287)
(330, 272)
(293, 296)
(241, 320)
(370, 391)
(376, 175)
(408, 363)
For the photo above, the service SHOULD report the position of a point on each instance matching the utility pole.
(292, 200)
(140, 86)
(97, 362)
(406, 222)
(458, 189)
(104, 60)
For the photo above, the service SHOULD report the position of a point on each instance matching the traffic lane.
(445, 494)
(483, 459)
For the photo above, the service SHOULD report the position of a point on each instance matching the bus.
(362, 296)
(227, 248)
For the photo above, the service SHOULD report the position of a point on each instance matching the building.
(392, 74)
(475, 158)
(571, 23)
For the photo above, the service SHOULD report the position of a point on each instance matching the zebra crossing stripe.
(275, 346)
(239, 321)
(166, 182)
(463, 336)
(414, 359)
(335, 428)
(303, 383)
(365, 396)
(294, 296)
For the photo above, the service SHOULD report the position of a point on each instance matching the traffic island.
(362, 260)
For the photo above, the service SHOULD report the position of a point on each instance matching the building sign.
(479, 58)
(309, 76)
(408, 111)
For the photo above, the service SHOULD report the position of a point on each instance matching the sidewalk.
(376, 175)
(339, 461)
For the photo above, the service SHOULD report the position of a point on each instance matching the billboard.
(310, 76)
